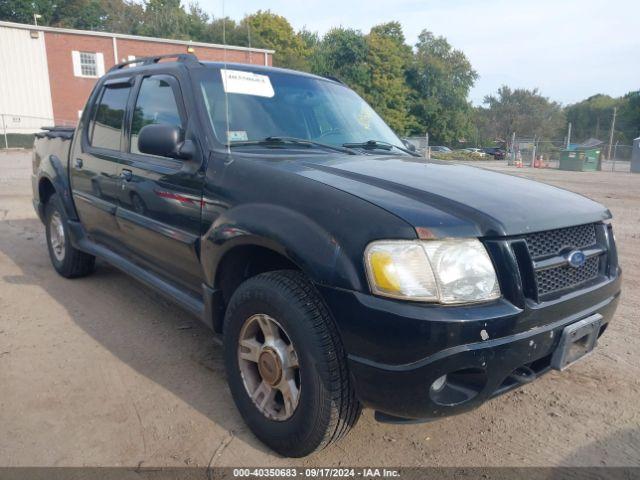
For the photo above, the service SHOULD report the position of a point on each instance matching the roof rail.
(187, 58)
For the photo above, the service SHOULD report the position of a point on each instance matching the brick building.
(47, 73)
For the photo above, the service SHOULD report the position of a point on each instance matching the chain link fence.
(17, 131)
(419, 142)
(532, 152)
(548, 151)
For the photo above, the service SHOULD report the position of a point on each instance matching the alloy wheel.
(269, 367)
(56, 233)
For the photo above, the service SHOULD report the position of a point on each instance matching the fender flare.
(56, 174)
(291, 234)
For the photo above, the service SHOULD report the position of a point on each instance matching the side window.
(106, 127)
(156, 103)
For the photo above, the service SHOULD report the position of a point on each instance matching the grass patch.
(17, 140)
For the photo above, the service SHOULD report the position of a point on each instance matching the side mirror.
(163, 140)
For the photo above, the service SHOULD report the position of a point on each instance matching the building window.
(88, 64)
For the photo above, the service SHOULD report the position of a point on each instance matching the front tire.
(65, 258)
(286, 365)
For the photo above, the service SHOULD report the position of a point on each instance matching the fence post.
(427, 150)
(4, 128)
(533, 152)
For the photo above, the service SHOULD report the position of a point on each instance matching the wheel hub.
(270, 366)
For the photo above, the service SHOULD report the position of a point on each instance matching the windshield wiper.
(295, 141)
(379, 145)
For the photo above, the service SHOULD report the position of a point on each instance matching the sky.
(568, 49)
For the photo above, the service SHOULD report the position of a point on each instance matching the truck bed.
(52, 141)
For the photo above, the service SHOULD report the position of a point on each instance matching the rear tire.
(326, 407)
(65, 258)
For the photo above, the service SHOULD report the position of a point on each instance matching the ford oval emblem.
(576, 258)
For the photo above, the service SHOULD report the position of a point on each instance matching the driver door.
(160, 197)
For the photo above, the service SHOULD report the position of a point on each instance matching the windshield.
(280, 104)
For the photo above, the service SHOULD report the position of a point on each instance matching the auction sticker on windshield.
(246, 83)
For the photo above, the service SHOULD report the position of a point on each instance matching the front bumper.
(396, 350)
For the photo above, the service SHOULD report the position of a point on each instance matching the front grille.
(554, 245)
(552, 280)
(552, 242)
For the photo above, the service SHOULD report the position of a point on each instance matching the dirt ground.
(104, 372)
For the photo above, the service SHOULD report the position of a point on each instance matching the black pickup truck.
(342, 269)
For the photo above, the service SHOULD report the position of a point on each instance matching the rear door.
(160, 197)
(95, 159)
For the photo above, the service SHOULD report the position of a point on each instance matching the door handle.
(78, 163)
(126, 175)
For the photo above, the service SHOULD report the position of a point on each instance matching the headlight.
(445, 271)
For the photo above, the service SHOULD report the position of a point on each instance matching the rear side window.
(156, 103)
(106, 126)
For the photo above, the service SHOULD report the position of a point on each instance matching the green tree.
(22, 11)
(81, 14)
(523, 111)
(342, 53)
(197, 21)
(387, 91)
(272, 31)
(125, 16)
(591, 117)
(165, 18)
(629, 117)
(224, 30)
(440, 78)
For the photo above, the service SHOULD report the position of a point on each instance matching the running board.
(186, 300)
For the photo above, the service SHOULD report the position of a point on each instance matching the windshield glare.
(302, 107)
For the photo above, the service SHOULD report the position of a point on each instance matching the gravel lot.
(104, 372)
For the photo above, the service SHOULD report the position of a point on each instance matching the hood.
(453, 199)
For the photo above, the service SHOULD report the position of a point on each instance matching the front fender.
(297, 237)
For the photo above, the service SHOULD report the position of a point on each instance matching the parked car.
(342, 270)
(496, 152)
(475, 151)
(440, 148)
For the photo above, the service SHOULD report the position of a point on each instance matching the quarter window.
(106, 126)
(156, 103)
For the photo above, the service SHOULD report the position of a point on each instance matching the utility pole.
(512, 154)
(569, 136)
(613, 126)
